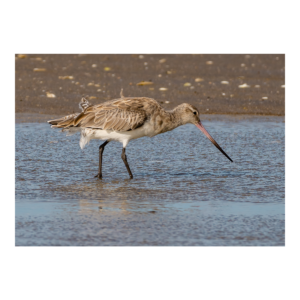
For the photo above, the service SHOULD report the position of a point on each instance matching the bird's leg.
(126, 163)
(101, 149)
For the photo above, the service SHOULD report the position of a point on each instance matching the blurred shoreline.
(43, 118)
(236, 84)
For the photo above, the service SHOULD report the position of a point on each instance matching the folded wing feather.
(119, 115)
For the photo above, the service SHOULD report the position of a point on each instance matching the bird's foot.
(99, 176)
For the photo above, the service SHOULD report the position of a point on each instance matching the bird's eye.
(195, 113)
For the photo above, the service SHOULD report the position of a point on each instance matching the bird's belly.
(120, 136)
(123, 137)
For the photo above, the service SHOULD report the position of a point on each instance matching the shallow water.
(184, 191)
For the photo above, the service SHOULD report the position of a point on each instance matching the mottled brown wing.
(121, 114)
(112, 118)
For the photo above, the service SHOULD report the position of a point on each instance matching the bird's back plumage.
(123, 114)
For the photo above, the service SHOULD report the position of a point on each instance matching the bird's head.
(190, 114)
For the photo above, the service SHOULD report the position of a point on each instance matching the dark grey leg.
(126, 163)
(101, 149)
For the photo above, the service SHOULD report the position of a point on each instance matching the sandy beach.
(216, 84)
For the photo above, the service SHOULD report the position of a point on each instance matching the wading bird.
(125, 119)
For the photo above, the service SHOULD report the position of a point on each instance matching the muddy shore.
(53, 84)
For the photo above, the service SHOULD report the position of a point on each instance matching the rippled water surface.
(184, 191)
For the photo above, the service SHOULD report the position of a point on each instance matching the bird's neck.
(172, 119)
(176, 116)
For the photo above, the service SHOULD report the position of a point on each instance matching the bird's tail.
(70, 120)
(64, 122)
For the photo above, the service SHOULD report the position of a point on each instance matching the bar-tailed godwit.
(125, 119)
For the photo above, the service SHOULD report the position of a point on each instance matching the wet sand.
(54, 84)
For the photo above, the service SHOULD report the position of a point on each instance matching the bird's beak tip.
(201, 127)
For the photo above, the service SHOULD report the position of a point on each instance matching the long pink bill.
(201, 127)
